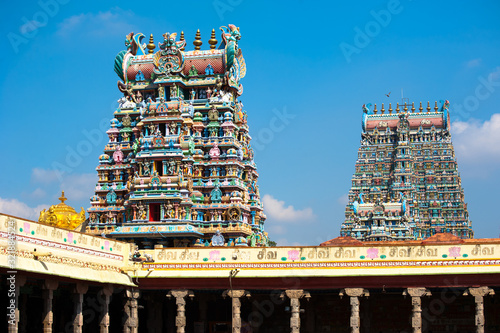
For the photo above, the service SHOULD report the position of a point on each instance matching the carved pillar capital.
(479, 291)
(417, 292)
(235, 293)
(51, 284)
(81, 288)
(354, 292)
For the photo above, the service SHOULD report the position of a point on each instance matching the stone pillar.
(131, 316)
(47, 315)
(79, 291)
(104, 319)
(14, 315)
(295, 295)
(416, 301)
(180, 319)
(236, 307)
(479, 293)
(354, 294)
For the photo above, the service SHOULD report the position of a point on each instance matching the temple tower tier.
(406, 183)
(178, 169)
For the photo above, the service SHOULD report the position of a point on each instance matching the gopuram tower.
(406, 184)
(178, 169)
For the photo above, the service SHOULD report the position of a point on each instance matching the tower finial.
(390, 108)
(62, 197)
(428, 106)
(413, 107)
(212, 41)
(182, 38)
(436, 107)
(197, 40)
(151, 45)
(420, 109)
(375, 109)
(382, 110)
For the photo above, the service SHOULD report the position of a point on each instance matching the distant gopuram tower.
(406, 184)
(178, 169)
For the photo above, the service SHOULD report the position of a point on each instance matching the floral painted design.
(454, 251)
(214, 255)
(293, 255)
(372, 253)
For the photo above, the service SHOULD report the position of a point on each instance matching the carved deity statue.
(173, 90)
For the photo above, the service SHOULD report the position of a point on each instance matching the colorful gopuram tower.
(178, 169)
(406, 183)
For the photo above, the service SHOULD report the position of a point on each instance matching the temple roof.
(443, 238)
(340, 241)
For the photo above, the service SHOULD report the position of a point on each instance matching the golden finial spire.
(413, 107)
(62, 197)
(436, 107)
(151, 45)
(375, 109)
(212, 41)
(390, 108)
(406, 107)
(428, 107)
(382, 110)
(420, 109)
(397, 108)
(182, 38)
(197, 40)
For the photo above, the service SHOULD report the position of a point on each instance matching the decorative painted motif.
(372, 253)
(293, 255)
(170, 59)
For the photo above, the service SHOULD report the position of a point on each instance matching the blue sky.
(310, 67)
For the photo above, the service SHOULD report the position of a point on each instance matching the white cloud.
(115, 21)
(276, 210)
(477, 141)
(20, 209)
(476, 145)
(473, 63)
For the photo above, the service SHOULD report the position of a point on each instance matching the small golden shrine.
(62, 215)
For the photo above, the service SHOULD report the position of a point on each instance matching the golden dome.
(62, 215)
